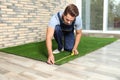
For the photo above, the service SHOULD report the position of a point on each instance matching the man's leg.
(69, 41)
(58, 34)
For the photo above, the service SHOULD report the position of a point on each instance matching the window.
(114, 15)
(92, 14)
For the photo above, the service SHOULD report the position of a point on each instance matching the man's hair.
(72, 10)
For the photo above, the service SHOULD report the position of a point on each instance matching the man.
(62, 26)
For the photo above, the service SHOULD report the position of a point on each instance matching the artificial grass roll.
(38, 50)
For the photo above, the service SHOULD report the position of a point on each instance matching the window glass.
(114, 15)
(92, 14)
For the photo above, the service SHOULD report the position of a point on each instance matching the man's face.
(68, 19)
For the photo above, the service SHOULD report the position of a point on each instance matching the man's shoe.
(56, 51)
(62, 49)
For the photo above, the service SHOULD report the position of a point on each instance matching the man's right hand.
(51, 59)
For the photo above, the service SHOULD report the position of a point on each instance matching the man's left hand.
(75, 51)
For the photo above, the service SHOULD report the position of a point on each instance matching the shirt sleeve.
(53, 21)
(78, 23)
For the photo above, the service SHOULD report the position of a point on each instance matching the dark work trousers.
(64, 39)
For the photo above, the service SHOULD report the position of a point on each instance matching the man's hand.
(51, 59)
(75, 51)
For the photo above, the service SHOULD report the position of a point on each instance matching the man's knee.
(68, 46)
(68, 49)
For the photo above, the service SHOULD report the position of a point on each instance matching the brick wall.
(25, 21)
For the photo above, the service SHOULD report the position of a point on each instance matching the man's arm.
(49, 35)
(77, 40)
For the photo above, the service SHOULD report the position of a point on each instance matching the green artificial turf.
(38, 51)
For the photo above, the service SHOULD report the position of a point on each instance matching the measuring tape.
(65, 57)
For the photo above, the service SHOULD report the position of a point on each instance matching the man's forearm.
(77, 40)
(49, 34)
(49, 46)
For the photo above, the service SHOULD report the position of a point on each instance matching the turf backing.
(38, 51)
